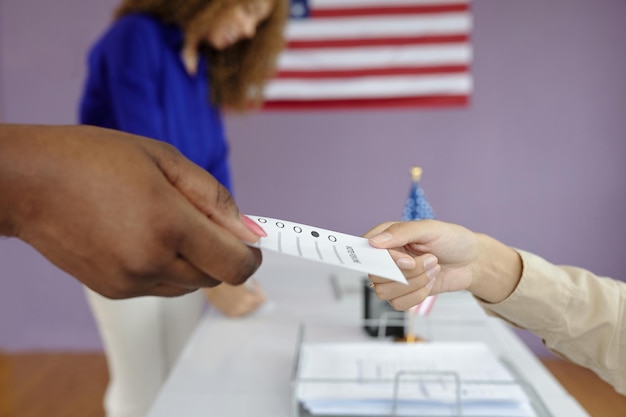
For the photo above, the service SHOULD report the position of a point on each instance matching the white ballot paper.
(326, 246)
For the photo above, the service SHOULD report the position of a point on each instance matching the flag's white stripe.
(372, 27)
(368, 87)
(339, 4)
(374, 57)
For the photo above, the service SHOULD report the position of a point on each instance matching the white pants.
(142, 339)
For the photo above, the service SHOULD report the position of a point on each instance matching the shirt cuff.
(540, 299)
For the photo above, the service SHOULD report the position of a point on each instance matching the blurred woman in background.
(166, 69)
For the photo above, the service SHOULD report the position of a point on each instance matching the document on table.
(431, 379)
(327, 246)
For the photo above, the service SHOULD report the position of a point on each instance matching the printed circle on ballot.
(297, 229)
(315, 234)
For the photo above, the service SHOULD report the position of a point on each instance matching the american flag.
(374, 53)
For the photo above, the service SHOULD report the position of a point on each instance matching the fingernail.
(429, 262)
(381, 239)
(433, 272)
(254, 228)
(406, 263)
(430, 284)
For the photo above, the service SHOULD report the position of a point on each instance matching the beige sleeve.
(579, 315)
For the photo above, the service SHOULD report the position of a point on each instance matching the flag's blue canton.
(299, 9)
(416, 206)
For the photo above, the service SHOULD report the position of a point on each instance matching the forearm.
(577, 314)
(496, 272)
(29, 166)
(13, 145)
(5, 215)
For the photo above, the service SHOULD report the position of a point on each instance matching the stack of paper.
(420, 379)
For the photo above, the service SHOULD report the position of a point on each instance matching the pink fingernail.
(254, 228)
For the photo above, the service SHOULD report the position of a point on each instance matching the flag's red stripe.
(424, 101)
(388, 10)
(364, 41)
(447, 69)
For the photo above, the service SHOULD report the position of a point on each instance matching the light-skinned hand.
(236, 300)
(441, 257)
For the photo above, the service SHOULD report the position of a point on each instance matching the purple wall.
(536, 160)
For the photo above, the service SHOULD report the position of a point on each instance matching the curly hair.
(237, 74)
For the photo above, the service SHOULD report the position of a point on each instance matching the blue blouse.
(137, 83)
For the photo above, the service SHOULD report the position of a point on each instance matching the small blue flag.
(416, 206)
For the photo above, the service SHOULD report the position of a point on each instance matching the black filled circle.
(315, 234)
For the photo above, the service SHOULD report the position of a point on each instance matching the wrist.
(497, 270)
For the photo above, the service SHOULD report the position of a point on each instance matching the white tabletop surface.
(243, 367)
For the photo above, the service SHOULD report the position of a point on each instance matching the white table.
(243, 367)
